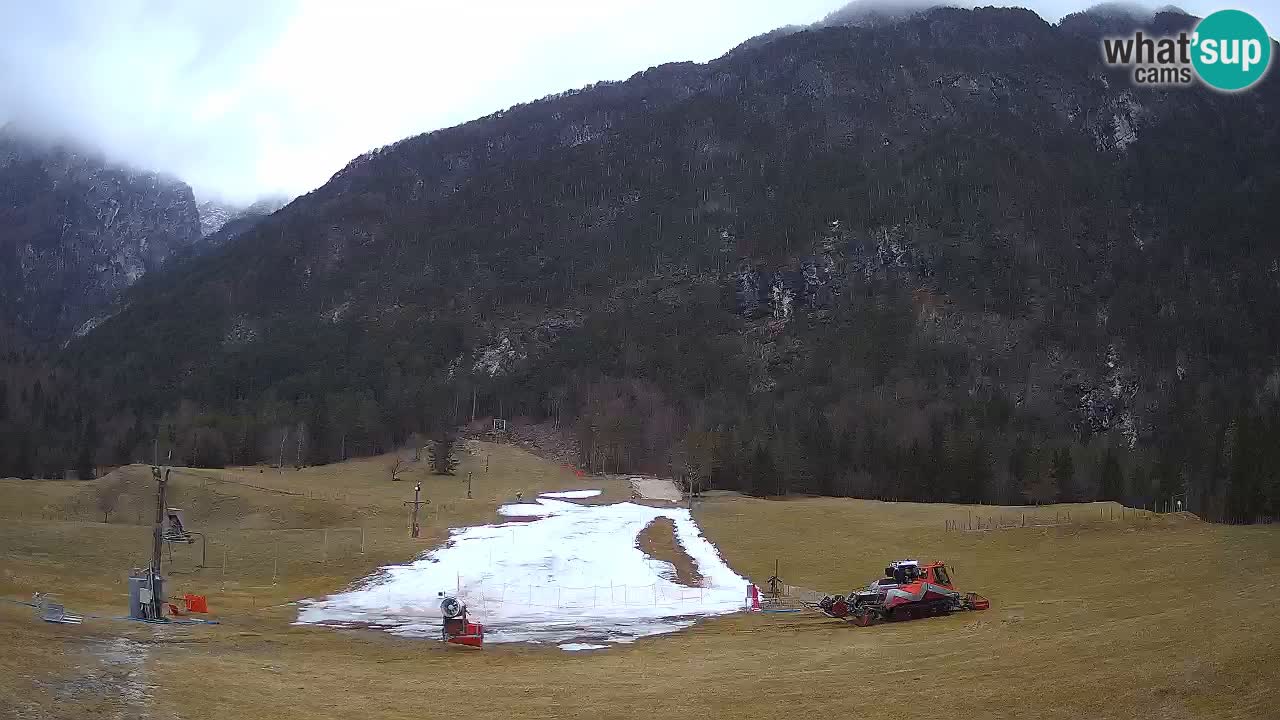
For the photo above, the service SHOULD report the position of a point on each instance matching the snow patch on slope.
(575, 574)
(571, 494)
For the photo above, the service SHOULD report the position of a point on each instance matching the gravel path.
(656, 489)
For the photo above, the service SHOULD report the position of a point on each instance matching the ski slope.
(574, 573)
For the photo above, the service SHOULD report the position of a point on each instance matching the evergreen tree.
(1064, 472)
(1112, 477)
(763, 474)
(979, 471)
(88, 447)
(441, 455)
(1038, 483)
(24, 465)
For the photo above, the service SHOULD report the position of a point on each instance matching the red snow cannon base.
(460, 632)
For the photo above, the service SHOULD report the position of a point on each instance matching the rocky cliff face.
(76, 231)
(213, 215)
(222, 222)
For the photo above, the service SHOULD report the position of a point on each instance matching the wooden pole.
(280, 461)
(417, 488)
(157, 541)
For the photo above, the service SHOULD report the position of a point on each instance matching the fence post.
(361, 539)
(324, 548)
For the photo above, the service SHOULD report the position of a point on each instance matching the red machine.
(908, 590)
(457, 629)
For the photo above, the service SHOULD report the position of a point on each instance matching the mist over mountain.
(871, 13)
(945, 257)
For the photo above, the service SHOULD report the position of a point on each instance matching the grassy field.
(1162, 617)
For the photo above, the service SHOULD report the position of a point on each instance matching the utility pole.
(283, 437)
(417, 488)
(157, 542)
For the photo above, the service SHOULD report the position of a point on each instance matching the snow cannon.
(908, 590)
(457, 629)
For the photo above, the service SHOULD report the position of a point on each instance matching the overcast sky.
(243, 98)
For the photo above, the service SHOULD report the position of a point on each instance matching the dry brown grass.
(1114, 619)
(658, 540)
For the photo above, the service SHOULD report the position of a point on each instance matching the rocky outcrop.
(75, 231)
(222, 222)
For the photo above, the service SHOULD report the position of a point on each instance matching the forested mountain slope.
(951, 257)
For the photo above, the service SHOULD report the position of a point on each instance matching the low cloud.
(246, 98)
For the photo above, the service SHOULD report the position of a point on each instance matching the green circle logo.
(1231, 50)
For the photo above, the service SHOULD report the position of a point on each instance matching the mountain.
(213, 215)
(948, 257)
(220, 221)
(75, 231)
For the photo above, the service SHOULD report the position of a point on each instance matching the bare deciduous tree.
(107, 497)
(396, 464)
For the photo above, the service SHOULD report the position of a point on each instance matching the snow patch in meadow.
(571, 494)
(524, 510)
(575, 647)
(574, 575)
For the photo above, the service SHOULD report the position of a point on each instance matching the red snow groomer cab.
(908, 590)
